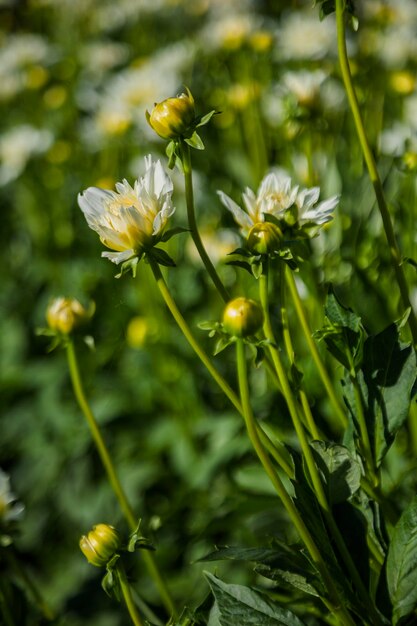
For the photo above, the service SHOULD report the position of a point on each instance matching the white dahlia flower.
(130, 220)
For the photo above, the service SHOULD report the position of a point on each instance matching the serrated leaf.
(281, 563)
(340, 471)
(386, 381)
(402, 564)
(239, 605)
(343, 334)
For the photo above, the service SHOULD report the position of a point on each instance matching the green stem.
(112, 475)
(311, 425)
(185, 329)
(189, 198)
(372, 169)
(365, 441)
(127, 596)
(289, 505)
(313, 348)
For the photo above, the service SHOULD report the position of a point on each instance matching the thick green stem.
(189, 198)
(311, 425)
(365, 441)
(185, 329)
(127, 596)
(313, 349)
(372, 169)
(112, 474)
(289, 505)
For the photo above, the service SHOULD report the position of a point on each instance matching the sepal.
(110, 581)
(138, 542)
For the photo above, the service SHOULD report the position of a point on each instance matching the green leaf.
(286, 565)
(222, 343)
(110, 581)
(195, 141)
(343, 334)
(173, 231)
(402, 564)
(204, 119)
(242, 264)
(161, 257)
(386, 381)
(239, 605)
(341, 472)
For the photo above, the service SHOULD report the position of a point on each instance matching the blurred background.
(76, 77)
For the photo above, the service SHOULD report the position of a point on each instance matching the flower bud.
(65, 314)
(173, 117)
(100, 544)
(264, 238)
(242, 317)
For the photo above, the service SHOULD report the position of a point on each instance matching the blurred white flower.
(301, 35)
(10, 510)
(18, 53)
(103, 55)
(293, 207)
(131, 91)
(17, 146)
(130, 220)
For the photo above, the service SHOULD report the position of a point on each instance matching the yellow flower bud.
(264, 237)
(100, 544)
(172, 117)
(65, 314)
(242, 317)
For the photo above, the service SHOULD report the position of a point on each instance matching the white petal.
(322, 213)
(240, 216)
(119, 257)
(307, 197)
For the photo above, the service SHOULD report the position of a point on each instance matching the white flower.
(17, 146)
(294, 208)
(301, 35)
(10, 510)
(130, 220)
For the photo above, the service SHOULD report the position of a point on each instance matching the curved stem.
(289, 505)
(189, 197)
(127, 596)
(112, 474)
(313, 348)
(372, 169)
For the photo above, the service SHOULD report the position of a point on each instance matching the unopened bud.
(65, 314)
(242, 317)
(173, 117)
(100, 544)
(264, 238)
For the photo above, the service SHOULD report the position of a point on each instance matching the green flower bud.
(242, 317)
(65, 314)
(100, 544)
(264, 238)
(173, 117)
